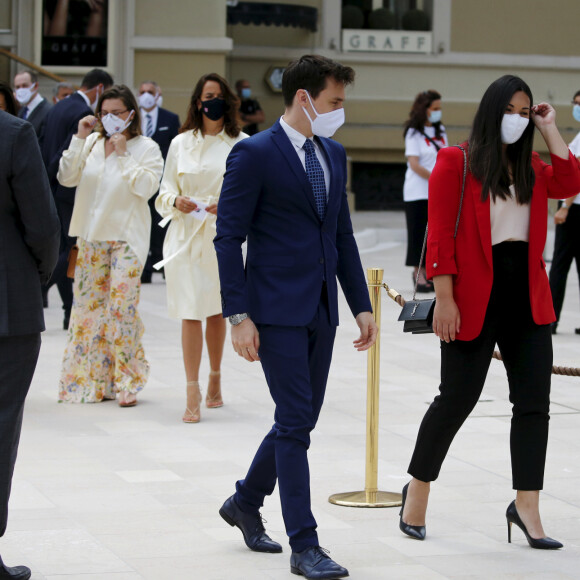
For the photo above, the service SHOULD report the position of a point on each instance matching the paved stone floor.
(102, 492)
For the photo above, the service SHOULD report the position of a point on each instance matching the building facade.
(465, 46)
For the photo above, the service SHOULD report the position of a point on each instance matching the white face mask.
(512, 128)
(147, 101)
(325, 124)
(24, 94)
(113, 124)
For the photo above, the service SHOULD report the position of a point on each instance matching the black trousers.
(59, 277)
(416, 216)
(18, 357)
(156, 239)
(566, 249)
(526, 349)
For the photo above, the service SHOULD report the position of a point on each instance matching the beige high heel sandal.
(192, 416)
(127, 399)
(215, 401)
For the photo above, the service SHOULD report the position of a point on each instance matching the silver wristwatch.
(564, 204)
(236, 319)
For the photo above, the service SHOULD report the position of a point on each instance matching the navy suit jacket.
(167, 128)
(61, 123)
(267, 199)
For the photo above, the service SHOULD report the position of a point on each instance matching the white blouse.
(417, 145)
(112, 193)
(509, 220)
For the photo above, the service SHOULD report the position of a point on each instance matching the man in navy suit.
(60, 125)
(162, 126)
(34, 107)
(284, 192)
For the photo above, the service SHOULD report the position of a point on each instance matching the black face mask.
(214, 109)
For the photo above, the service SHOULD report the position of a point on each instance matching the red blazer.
(469, 257)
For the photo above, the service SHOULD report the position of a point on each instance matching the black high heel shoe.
(415, 532)
(513, 517)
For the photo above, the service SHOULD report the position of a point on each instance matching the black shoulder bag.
(417, 315)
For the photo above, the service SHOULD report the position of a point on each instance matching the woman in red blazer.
(491, 287)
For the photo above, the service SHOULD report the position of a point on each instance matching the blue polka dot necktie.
(25, 113)
(315, 175)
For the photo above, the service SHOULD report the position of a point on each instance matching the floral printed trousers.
(104, 354)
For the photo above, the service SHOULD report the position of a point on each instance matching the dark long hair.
(11, 103)
(418, 114)
(487, 163)
(194, 118)
(124, 93)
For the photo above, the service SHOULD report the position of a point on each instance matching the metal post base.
(367, 499)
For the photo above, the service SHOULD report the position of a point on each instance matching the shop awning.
(273, 13)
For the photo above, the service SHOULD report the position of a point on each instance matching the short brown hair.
(194, 120)
(124, 93)
(310, 72)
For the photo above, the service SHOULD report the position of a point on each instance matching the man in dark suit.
(162, 126)
(284, 192)
(28, 253)
(60, 125)
(34, 107)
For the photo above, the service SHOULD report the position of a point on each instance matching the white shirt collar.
(34, 103)
(154, 113)
(296, 138)
(85, 98)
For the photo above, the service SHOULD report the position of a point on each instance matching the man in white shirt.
(34, 107)
(162, 126)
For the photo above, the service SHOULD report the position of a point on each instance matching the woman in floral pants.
(116, 170)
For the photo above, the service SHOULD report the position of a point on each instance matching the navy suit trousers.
(296, 360)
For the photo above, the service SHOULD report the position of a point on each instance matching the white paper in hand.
(199, 213)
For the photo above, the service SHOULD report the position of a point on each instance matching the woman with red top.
(491, 287)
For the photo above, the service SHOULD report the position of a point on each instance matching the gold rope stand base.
(371, 496)
(366, 499)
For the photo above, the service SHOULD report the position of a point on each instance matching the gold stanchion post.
(371, 496)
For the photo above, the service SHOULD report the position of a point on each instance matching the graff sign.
(386, 41)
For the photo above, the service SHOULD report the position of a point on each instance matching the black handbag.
(417, 315)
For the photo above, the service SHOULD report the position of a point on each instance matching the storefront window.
(402, 26)
(74, 33)
(412, 15)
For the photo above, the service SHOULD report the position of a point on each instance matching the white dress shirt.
(34, 103)
(112, 192)
(298, 140)
(154, 113)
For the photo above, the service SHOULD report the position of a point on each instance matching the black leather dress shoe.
(251, 526)
(15, 573)
(314, 563)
